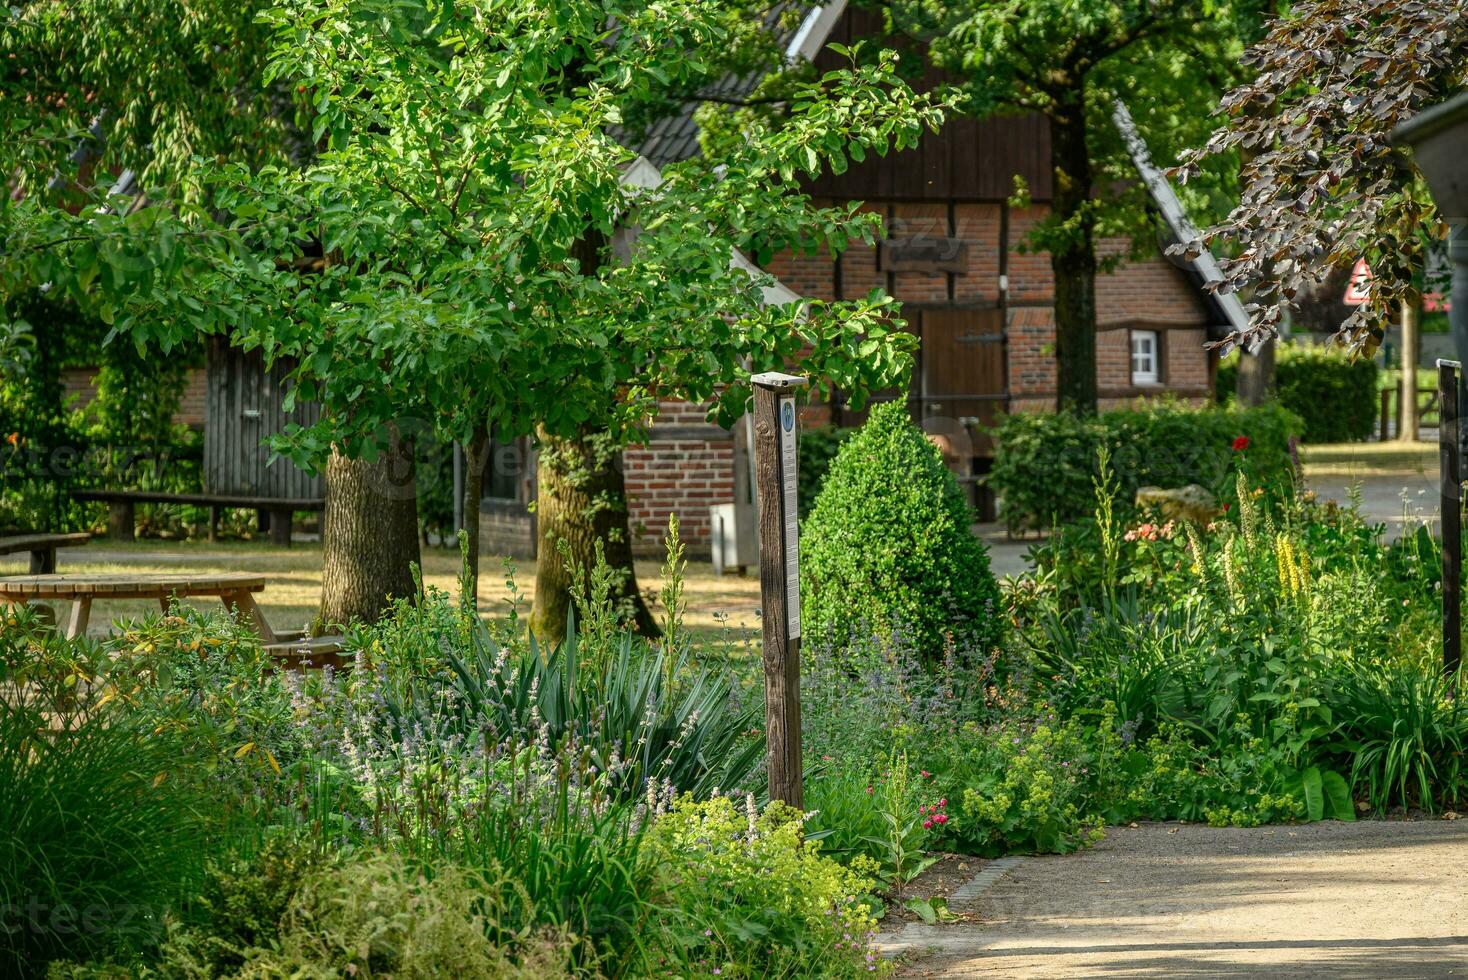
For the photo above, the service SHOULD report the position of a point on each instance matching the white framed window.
(1145, 357)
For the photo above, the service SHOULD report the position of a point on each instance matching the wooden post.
(1451, 464)
(120, 520)
(43, 560)
(779, 578)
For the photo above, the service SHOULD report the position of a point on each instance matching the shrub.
(98, 836)
(1333, 393)
(1018, 786)
(818, 447)
(643, 713)
(755, 900)
(1045, 464)
(238, 908)
(888, 545)
(381, 916)
(1405, 732)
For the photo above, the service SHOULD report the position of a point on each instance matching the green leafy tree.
(95, 87)
(888, 547)
(467, 249)
(1070, 60)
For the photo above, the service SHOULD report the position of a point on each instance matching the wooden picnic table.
(42, 548)
(236, 589)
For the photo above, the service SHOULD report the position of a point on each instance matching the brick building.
(980, 303)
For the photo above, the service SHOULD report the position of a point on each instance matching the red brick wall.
(79, 383)
(1143, 294)
(685, 476)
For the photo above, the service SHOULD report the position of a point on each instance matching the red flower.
(1241, 443)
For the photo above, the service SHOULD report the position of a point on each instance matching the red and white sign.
(1358, 290)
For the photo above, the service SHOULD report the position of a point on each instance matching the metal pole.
(779, 578)
(1451, 469)
(1458, 313)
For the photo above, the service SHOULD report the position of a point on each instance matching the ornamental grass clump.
(888, 546)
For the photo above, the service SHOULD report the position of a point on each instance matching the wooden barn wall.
(244, 407)
(969, 160)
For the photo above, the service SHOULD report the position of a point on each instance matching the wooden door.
(960, 384)
(958, 388)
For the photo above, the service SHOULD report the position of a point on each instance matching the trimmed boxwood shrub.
(818, 447)
(1044, 464)
(888, 546)
(1334, 395)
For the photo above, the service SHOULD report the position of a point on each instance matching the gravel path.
(1339, 901)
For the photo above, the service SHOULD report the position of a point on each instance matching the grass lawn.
(719, 608)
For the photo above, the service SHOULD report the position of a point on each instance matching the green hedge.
(1334, 395)
(1044, 464)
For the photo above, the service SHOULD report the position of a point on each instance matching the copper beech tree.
(1321, 183)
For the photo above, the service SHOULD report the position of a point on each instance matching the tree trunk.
(1255, 382)
(1073, 259)
(1411, 315)
(580, 499)
(371, 536)
(475, 454)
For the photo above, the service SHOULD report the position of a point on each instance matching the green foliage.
(755, 899)
(905, 829)
(1406, 734)
(102, 828)
(154, 87)
(846, 815)
(642, 712)
(1045, 465)
(1020, 787)
(888, 547)
(1333, 393)
(238, 908)
(444, 234)
(380, 915)
(818, 449)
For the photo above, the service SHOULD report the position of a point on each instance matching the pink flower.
(942, 818)
(925, 774)
(869, 790)
(928, 824)
(943, 802)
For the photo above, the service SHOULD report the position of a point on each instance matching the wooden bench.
(42, 548)
(274, 511)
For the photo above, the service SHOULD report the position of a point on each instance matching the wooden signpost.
(775, 429)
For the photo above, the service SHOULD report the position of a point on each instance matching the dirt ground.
(948, 874)
(723, 609)
(1374, 899)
